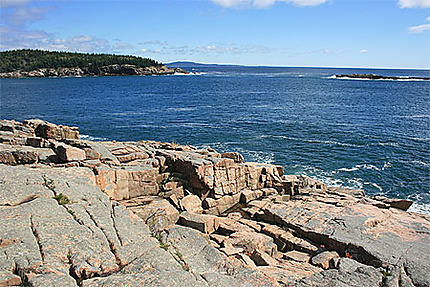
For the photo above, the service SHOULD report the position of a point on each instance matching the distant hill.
(188, 64)
(28, 60)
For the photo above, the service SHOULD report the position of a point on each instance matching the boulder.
(48, 130)
(261, 258)
(237, 157)
(125, 182)
(66, 153)
(297, 256)
(14, 155)
(221, 205)
(202, 222)
(251, 241)
(156, 212)
(402, 204)
(192, 204)
(323, 259)
(286, 240)
(249, 195)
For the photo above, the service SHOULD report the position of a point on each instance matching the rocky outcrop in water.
(380, 77)
(111, 70)
(84, 213)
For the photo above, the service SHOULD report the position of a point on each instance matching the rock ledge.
(84, 213)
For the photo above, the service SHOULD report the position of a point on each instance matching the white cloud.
(23, 15)
(159, 47)
(231, 3)
(10, 3)
(265, 3)
(414, 3)
(16, 38)
(420, 28)
(364, 51)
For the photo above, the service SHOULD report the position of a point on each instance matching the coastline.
(197, 211)
(110, 70)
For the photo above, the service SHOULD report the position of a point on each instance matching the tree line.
(29, 59)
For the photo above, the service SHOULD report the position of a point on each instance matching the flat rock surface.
(49, 244)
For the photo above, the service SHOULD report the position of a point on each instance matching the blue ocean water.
(358, 133)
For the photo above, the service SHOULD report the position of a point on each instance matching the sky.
(298, 33)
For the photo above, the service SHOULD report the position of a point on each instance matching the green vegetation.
(162, 245)
(62, 199)
(28, 60)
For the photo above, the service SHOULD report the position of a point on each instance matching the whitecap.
(367, 166)
(418, 162)
(181, 109)
(387, 144)
(387, 165)
(374, 185)
(91, 138)
(348, 169)
(190, 74)
(422, 208)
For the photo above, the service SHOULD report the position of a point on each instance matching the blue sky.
(330, 33)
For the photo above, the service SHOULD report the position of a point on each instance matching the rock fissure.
(111, 244)
(37, 238)
(112, 216)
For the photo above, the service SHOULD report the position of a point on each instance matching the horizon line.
(283, 66)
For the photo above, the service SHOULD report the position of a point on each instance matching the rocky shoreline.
(110, 70)
(82, 213)
(379, 77)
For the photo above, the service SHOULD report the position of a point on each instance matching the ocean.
(371, 134)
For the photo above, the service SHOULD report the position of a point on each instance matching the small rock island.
(36, 63)
(84, 213)
(379, 77)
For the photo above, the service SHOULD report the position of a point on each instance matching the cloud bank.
(265, 3)
(414, 3)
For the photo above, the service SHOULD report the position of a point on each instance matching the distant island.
(38, 63)
(380, 77)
